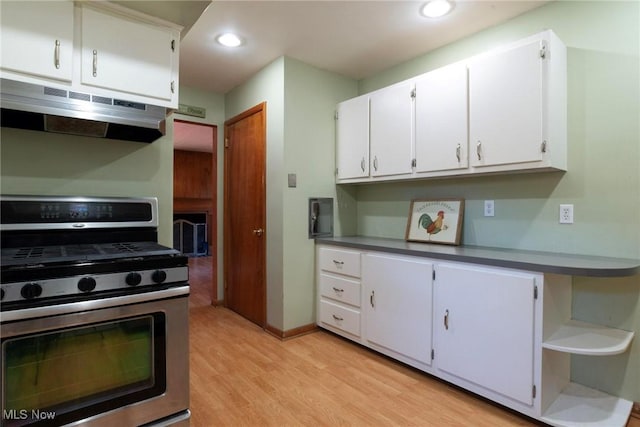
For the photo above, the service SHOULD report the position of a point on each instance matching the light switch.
(292, 180)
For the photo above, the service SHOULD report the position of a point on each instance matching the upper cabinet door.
(352, 138)
(506, 106)
(441, 120)
(392, 130)
(37, 39)
(129, 56)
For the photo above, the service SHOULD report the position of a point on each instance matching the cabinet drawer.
(339, 317)
(340, 289)
(340, 261)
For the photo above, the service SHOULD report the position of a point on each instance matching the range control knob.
(31, 290)
(133, 279)
(159, 276)
(87, 284)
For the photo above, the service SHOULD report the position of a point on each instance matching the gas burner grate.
(126, 247)
(28, 253)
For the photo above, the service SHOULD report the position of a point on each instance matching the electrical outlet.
(566, 214)
(489, 208)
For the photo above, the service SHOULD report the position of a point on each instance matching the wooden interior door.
(245, 214)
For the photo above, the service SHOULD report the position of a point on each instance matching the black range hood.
(42, 108)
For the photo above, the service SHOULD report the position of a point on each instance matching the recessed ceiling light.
(229, 40)
(436, 8)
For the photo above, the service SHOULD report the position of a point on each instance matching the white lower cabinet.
(397, 306)
(485, 331)
(502, 333)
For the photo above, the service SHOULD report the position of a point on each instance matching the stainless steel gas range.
(93, 315)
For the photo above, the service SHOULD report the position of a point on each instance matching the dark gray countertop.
(543, 262)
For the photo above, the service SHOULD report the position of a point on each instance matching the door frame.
(262, 109)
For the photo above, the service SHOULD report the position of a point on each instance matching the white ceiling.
(354, 38)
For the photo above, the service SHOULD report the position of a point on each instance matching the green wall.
(39, 163)
(301, 102)
(310, 99)
(603, 178)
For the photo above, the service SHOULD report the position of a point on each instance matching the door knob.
(258, 231)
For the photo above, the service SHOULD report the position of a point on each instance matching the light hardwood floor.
(243, 376)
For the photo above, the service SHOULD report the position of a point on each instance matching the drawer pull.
(446, 320)
(337, 318)
(338, 289)
(336, 262)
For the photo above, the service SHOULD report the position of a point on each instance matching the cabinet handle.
(338, 289)
(479, 150)
(258, 232)
(95, 63)
(362, 164)
(446, 320)
(337, 263)
(173, 86)
(338, 318)
(56, 54)
(371, 299)
(375, 163)
(458, 153)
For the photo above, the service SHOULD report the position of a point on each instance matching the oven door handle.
(94, 304)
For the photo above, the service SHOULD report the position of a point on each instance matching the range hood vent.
(42, 108)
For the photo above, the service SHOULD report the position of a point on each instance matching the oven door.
(112, 362)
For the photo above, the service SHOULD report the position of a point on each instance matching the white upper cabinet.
(352, 134)
(441, 120)
(391, 124)
(500, 111)
(37, 40)
(517, 106)
(128, 56)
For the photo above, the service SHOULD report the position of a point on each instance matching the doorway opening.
(195, 205)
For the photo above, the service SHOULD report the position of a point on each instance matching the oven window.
(79, 372)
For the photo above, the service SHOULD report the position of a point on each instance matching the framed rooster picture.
(435, 221)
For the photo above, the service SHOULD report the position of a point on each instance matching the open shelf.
(585, 338)
(582, 406)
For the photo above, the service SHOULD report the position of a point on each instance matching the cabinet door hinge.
(173, 86)
(433, 354)
(533, 391)
(433, 274)
(413, 163)
(226, 143)
(413, 94)
(336, 171)
(543, 50)
(535, 292)
(543, 146)
(173, 45)
(335, 116)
